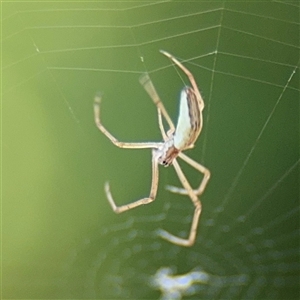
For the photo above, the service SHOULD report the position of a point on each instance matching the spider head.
(166, 153)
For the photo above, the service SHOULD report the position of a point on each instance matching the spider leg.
(150, 89)
(152, 195)
(188, 74)
(161, 125)
(193, 231)
(117, 143)
(206, 175)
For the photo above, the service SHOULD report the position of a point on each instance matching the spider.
(175, 141)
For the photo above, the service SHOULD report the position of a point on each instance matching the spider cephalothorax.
(175, 141)
(166, 153)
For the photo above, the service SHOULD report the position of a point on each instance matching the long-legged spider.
(175, 140)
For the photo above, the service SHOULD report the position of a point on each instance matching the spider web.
(59, 236)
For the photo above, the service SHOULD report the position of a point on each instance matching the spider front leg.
(189, 75)
(193, 231)
(206, 175)
(146, 82)
(152, 195)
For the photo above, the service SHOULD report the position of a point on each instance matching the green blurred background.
(60, 238)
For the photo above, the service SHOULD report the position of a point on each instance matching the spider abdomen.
(189, 120)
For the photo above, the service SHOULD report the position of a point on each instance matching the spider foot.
(177, 190)
(174, 239)
(110, 198)
(97, 98)
(181, 191)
